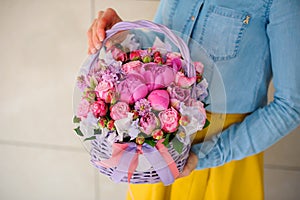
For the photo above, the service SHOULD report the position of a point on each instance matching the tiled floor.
(42, 46)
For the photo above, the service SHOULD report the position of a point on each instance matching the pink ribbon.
(125, 160)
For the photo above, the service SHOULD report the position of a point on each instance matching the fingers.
(96, 33)
(190, 165)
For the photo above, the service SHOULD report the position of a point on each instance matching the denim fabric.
(250, 42)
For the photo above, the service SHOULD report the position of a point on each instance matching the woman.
(250, 42)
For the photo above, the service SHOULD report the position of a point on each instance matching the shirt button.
(193, 18)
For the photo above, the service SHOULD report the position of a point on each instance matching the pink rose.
(119, 110)
(99, 108)
(169, 120)
(105, 90)
(199, 67)
(178, 93)
(83, 109)
(148, 123)
(159, 99)
(184, 81)
(133, 66)
(132, 88)
(157, 76)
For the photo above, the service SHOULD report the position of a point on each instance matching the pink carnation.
(83, 108)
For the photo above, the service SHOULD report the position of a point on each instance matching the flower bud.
(140, 140)
(184, 120)
(158, 134)
(111, 125)
(102, 122)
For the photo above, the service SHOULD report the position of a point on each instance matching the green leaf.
(207, 122)
(76, 119)
(167, 140)
(90, 138)
(97, 131)
(178, 145)
(78, 131)
(150, 142)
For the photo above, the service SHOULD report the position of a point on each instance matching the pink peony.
(119, 110)
(99, 108)
(159, 99)
(132, 88)
(83, 109)
(184, 81)
(105, 90)
(157, 76)
(148, 123)
(169, 120)
(133, 66)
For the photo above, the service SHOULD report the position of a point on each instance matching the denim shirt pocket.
(222, 31)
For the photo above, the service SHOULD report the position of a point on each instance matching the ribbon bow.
(125, 159)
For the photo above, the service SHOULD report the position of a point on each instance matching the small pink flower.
(83, 109)
(119, 110)
(184, 81)
(99, 108)
(133, 66)
(169, 120)
(148, 123)
(159, 99)
(132, 89)
(105, 90)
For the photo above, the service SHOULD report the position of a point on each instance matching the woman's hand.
(96, 33)
(190, 165)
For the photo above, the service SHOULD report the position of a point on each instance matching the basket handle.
(122, 26)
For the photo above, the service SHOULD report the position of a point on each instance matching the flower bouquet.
(140, 101)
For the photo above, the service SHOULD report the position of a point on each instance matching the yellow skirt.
(236, 180)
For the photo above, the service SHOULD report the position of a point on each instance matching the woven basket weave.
(102, 150)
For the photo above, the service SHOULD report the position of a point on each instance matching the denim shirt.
(250, 42)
